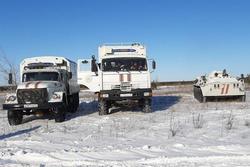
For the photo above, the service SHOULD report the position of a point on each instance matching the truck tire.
(71, 104)
(76, 102)
(60, 114)
(103, 107)
(15, 117)
(147, 106)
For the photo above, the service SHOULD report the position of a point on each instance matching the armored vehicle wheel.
(147, 106)
(243, 98)
(15, 117)
(103, 107)
(60, 114)
(204, 99)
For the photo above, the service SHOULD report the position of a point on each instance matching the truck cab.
(121, 74)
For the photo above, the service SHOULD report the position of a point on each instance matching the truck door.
(87, 76)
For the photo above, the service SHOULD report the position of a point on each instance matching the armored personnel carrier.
(219, 84)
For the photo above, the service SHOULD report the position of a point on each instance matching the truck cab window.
(124, 64)
(40, 76)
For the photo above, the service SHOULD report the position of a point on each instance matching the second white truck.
(120, 74)
(48, 84)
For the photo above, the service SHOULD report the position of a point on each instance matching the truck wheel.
(76, 102)
(147, 106)
(71, 104)
(103, 107)
(15, 117)
(60, 114)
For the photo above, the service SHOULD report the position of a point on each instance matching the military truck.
(120, 75)
(219, 84)
(48, 84)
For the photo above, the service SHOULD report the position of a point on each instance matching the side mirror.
(10, 81)
(93, 65)
(154, 65)
(70, 75)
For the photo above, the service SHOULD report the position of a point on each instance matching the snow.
(128, 137)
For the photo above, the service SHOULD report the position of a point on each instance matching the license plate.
(30, 105)
(126, 95)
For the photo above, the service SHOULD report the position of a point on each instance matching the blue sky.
(187, 38)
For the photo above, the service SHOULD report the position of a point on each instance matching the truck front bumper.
(31, 106)
(117, 95)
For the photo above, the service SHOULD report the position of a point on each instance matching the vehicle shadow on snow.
(31, 118)
(20, 132)
(85, 108)
(159, 103)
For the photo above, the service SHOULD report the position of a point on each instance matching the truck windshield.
(40, 76)
(124, 64)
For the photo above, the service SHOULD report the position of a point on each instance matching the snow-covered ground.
(180, 132)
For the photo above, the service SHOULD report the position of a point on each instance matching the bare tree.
(8, 67)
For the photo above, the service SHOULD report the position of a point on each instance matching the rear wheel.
(15, 117)
(71, 106)
(76, 101)
(103, 107)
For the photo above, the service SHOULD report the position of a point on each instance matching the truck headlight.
(147, 94)
(56, 96)
(11, 98)
(105, 95)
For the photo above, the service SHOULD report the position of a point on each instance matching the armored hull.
(217, 85)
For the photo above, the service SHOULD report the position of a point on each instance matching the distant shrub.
(230, 122)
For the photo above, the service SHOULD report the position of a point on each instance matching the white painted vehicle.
(219, 84)
(48, 84)
(121, 74)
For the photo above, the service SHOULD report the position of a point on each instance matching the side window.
(85, 66)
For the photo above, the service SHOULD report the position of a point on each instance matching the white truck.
(121, 74)
(48, 84)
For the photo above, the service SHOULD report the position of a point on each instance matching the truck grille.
(125, 86)
(34, 96)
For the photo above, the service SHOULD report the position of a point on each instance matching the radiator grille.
(34, 96)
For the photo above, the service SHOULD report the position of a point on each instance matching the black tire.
(76, 102)
(60, 114)
(243, 98)
(147, 106)
(15, 117)
(103, 107)
(71, 104)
